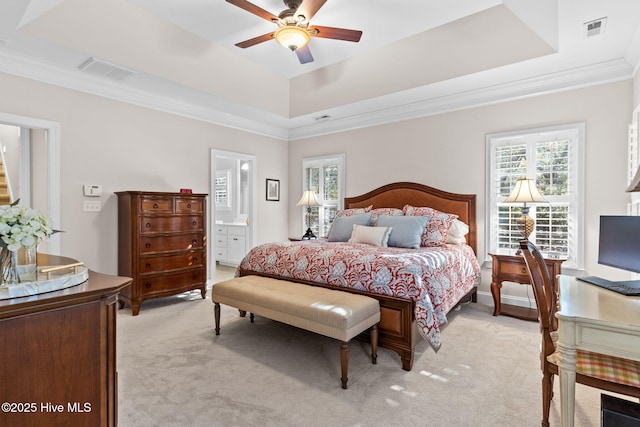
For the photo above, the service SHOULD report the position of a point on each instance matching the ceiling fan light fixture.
(292, 37)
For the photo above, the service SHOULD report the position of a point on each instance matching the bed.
(416, 288)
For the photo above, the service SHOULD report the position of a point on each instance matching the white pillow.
(378, 236)
(457, 231)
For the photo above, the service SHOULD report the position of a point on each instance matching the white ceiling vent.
(595, 27)
(102, 68)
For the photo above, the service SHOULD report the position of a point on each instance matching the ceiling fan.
(294, 31)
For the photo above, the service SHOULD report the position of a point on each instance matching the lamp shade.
(292, 37)
(525, 191)
(308, 199)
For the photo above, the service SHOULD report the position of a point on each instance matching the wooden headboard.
(399, 194)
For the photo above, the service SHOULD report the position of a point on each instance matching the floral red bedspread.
(435, 278)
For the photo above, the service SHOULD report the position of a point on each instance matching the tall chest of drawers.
(162, 244)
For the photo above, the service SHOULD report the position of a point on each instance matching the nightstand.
(511, 268)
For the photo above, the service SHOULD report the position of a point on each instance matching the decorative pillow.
(378, 236)
(384, 211)
(354, 211)
(407, 230)
(342, 226)
(457, 232)
(435, 233)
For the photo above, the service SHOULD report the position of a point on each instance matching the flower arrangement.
(21, 226)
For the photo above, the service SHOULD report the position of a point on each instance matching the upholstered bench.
(335, 314)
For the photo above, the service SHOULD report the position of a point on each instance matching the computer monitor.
(620, 242)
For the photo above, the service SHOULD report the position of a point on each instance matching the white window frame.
(319, 162)
(223, 184)
(575, 132)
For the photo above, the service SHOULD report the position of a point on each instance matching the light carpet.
(174, 371)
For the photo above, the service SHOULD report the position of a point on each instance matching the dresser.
(231, 243)
(162, 244)
(58, 358)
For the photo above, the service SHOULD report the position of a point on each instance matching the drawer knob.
(148, 225)
(155, 206)
(148, 245)
(524, 270)
(189, 205)
(194, 223)
(194, 259)
(148, 265)
(148, 285)
(194, 242)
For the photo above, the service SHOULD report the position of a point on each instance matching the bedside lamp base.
(309, 235)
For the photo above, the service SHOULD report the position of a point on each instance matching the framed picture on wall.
(273, 190)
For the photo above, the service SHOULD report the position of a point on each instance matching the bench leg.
(251, 316)
(344, 362)
(374, 344)
(216, 314)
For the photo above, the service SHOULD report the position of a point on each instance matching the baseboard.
(487, 299)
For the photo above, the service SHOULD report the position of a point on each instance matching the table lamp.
(525, 191)
(308, 199)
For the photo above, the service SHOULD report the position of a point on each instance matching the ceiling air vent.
(595, 27)
(102, 68)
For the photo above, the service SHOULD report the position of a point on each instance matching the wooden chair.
(607, 373)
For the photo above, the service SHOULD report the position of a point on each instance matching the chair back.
(545, 295)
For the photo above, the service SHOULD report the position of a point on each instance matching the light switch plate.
(92, 206)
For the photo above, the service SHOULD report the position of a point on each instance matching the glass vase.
(18, 266)
(8, 267)
(27, 264)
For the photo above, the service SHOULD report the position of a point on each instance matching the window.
(553, 157)
(325, 177)
(222, 191)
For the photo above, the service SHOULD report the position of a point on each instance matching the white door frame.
(253, 185)
(52, 130)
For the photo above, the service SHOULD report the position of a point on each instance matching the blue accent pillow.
(342, 226)
(406, 231)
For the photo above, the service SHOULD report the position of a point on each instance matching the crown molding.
(27, 67)
(592, 75)
(596, 74)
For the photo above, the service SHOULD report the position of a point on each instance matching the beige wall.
(447, 151)
(636, 89)
(125, 147)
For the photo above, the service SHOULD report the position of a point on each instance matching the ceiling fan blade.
(250, 7)
(254, 41)
(304, 54)
(336, 33)
(308, 8)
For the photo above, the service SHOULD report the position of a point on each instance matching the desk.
(592, 319)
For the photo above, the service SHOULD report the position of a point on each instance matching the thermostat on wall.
(92, 190)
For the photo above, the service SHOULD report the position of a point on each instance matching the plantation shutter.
(552, 157)
(325, 177)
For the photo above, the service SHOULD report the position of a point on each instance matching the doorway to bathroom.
(233, 209)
